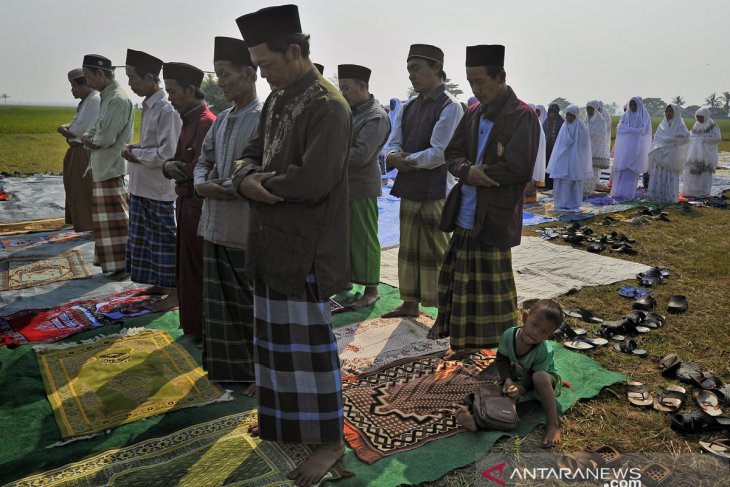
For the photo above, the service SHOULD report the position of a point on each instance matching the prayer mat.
(47, 225)
(26, 271)
(408, 404)
(216, 453)
(373, 343)
(119, 379)
(53, 324)
(19, 243)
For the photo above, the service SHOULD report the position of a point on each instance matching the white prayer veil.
(669, 146)
(633, 138)
(571, 158)
(600, 141)
(543, 113)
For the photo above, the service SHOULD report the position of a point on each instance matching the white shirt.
(86, 116)
(161, 126)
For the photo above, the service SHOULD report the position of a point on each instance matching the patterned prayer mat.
(27, 271)
(408, 404)
(54, 324)
(47, 225)
(216, 453)
(19, 243)
(373, 343)
(119, 379)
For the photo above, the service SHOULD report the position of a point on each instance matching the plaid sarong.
(109, 212)
(364, 243)
(477, 294)
(421, 251)
(152, 241)
(298, 381)
(228, 310)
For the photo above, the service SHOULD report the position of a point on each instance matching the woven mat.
(29, 271)
(47, 225)
(30, 241)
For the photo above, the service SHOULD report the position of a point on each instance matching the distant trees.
(655, 106)
(451, 87)
(561, 102)
(679, 101)
(726, 99)
(214, 95)
(5, 97)
(713, 101)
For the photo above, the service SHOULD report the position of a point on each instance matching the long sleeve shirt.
(370, 129)
(225, 222)
(161, 126)
(86, 116)
(112, 131)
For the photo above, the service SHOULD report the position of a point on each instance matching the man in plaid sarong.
(295, 170)
(492, 153)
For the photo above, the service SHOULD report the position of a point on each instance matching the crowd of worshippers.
(251, 220)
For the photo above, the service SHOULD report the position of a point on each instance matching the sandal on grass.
(639, 394)
(645, 303)
(584, 314)
(669, 399)
(630, 347)
(654, 475)
(698, 422)
(669, 365)
(708, 402)
(584, 343)
(677, 304)
(719, 447)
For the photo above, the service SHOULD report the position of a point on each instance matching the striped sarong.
(477, 294)
(77, 183)
(364, 243)
(421, 251)
(228, 315)
(109, 212)
(152, 241)
(298, 381)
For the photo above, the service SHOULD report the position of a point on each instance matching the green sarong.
(364, 243)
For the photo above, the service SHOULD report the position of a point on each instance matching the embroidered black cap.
(97, 61)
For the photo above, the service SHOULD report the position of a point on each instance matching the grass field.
(29, 143)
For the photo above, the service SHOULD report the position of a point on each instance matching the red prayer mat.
(53, 324)
(409, 403)
(19, 243)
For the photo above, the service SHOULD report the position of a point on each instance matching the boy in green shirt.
(525, 364)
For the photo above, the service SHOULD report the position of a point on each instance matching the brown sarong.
(78, 188)
(189, 265)
(110, 213)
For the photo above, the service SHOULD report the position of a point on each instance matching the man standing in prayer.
(538, 172)
(183, 83)
(152, 233)
(551, 127)
(77, 181)
(600, 144)
(422, 131)
(570, 163)
(370, 128)
(228, 327)
(492, 153)
(106, 139)
(295, 172)
(702, 156)
(631, 158)
(667, 156)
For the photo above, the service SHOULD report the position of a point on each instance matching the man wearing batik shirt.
(370, 129)
(295, 172)
(228, 287)
(182, 82)
(421, 132)
(152, 232)
(105, 140)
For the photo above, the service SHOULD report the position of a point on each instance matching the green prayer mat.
(218, 452)
(121, 379)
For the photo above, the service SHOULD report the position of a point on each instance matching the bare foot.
(434, 333)
(367, 299)
(452, 354)
(249, 390)
(408, 308)
(317, 465)
(466, 418)
(164, 304)
(253, 429)
(552, 436)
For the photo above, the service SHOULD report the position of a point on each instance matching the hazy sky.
(577, 49)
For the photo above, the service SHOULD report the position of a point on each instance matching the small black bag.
(493, 410)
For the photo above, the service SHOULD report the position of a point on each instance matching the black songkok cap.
(319, 67)
(98, 62)
(484, 55)
(143, 61)
(353, 71)
(231, 49)
(185, 74)
(426, 51)
(269, 23)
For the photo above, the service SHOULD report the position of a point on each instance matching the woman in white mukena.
(631, 152)
(667, 155)
(701, 156)
(571, 162)
(595, 122)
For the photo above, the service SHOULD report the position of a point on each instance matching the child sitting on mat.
(525, 365)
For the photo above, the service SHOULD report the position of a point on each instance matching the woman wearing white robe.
(631, 157)
(541, 113)
(571, 162)
(701, 156)
(595, 122)
(667, 156)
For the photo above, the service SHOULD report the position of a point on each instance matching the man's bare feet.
(167, 303)
(317, 465)
(434, 333)
(466, 418)
(370, 297)
(250, 389)
(452, 354)
(253, 429)
(408, 308)
(552, 436)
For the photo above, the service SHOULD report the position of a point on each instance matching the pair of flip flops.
(698, 422)
(652, 277)
(632, 292)
(583, 314)
(667, 400)
(720, 447)
(635, 322)
(630, 347)
(691, 373)
(577, 339)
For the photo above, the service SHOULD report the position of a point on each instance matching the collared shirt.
(158, 138)
(370, 128)
(465, 219)
(112, 131)
(225, 222)
(86, 115)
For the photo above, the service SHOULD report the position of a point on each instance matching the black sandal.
(698, 422)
